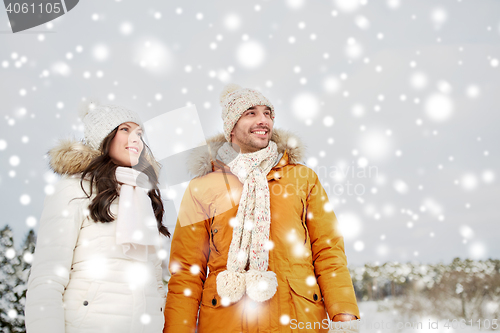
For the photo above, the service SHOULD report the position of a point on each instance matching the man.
(256, 247)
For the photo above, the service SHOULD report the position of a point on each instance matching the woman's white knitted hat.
(235, 100)
(100, 119)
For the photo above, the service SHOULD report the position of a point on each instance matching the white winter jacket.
(80, 280)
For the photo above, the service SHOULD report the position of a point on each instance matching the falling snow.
(390, 123)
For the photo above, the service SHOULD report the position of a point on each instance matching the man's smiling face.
(253, 130)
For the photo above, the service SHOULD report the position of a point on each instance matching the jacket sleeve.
(329, 259)
(57, 236)
(159, 278)
(190, 247)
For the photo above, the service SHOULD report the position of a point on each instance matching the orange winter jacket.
(308, 253)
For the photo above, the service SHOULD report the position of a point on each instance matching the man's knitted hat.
(100, 119)
(235, 100)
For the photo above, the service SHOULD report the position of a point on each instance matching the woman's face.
(126, 146)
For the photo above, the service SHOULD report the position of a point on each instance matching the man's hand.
(344, 328)
(344, 317)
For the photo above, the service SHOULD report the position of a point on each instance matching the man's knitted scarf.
(250, 243)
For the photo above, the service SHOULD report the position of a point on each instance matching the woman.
(96, 266)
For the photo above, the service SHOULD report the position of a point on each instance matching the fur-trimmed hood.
(70, 157)
(200, 161)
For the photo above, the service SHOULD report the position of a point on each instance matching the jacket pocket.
(303, 221)
(85, 305)
(210, 297)
(306, 303)
(303, 290)
(215, 234)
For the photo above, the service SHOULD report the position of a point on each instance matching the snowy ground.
(382, 316)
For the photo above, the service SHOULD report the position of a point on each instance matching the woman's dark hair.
(101, 171)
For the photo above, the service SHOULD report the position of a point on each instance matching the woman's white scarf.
(136, 225)
(250, 242)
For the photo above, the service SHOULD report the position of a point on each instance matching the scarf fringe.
(259, 286)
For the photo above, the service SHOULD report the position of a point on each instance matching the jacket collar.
(203, 161)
